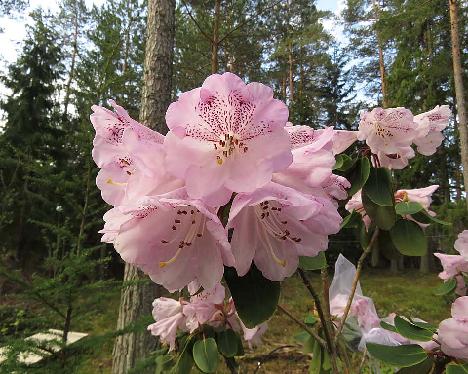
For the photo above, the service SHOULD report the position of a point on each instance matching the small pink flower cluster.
(422, 196)
(390, 133)
(455, 265)
(205, 308)
(229, 148)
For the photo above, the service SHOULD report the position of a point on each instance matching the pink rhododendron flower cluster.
(453, 332)
(456, 266)
(228, 143)
(422, 196)
(390, 133)
(205, 308)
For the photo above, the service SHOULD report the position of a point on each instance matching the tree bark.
(383, 79)
(215, 41)
(291, 75)
(71, 75)
(136, 299)
(459, 90)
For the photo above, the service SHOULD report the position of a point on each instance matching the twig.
(326, 326)
(363, 360)
(196, 23)
(355, 281)
(304, 326)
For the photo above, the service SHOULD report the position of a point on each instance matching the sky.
(15, 29)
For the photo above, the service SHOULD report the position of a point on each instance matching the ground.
(409, 294)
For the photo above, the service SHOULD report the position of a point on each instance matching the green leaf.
(453, 368)
(310, 320)
(343, 162)
(378, 187)
(163, 364)
(424, 217)
(388, 326)
(358, 175)
(408, 207)
(383, 216)
(408, 237)
(205, 355)
(352, 221)
(424, 325)
(227, 343)
(401, 355)
(309, 344)
(386, 247)
(313, 263)
(255, 297)
(446, 287)
(424, 367)
(411, 331)
(316, 362)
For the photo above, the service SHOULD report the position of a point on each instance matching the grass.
(409, 294)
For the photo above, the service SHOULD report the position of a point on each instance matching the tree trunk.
(73, 62)
(136, 300)
(459, 91)
(291, 75)
(215, 41)
(394, 266)
(383, 81)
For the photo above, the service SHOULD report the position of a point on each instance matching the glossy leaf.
(411, 331)
(408, 207)
(313, 263)
(227, 341)
(446, 287)
(343, 162)
(401, 355)
(408, 237)
(388, 326)
(424, 367)
(255, 297)
(205, 355)
(424, 217)
(382, 216)
(453, 368)
(378, 187)
(358, 175)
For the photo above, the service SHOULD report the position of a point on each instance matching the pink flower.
(254, 336)
(304, 135)
(396, 161)
(355, 203)
(275, 225)
(169, 319)
(125, 150)
(461, 244)
(226, 137)
(454, 266)
(204, 307)
(174, 239)
(453, 332)
(429, 131)
(387, 130)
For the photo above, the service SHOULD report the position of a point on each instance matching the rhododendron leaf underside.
(255, 297)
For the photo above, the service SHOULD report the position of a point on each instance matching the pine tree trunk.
(383, 79)
(215, 41)
(136, 300)
(71, 75)
(459, 91)
(291, 75)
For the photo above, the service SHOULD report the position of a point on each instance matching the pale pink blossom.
(429, 130)
(301, 135)
(174, 239)
(254, 335)
(453, 332)
(125, 150)
(387, 130)
(355, 204)
(397, 161)
(226, 137)
(275, 225)
(453, 267)
(169, 319)
(461, 244)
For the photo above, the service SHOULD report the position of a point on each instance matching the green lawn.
(410, 294)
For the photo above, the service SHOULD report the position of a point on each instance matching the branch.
(196, 23)
(326, 326)
(304, 326)
(355, 281)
